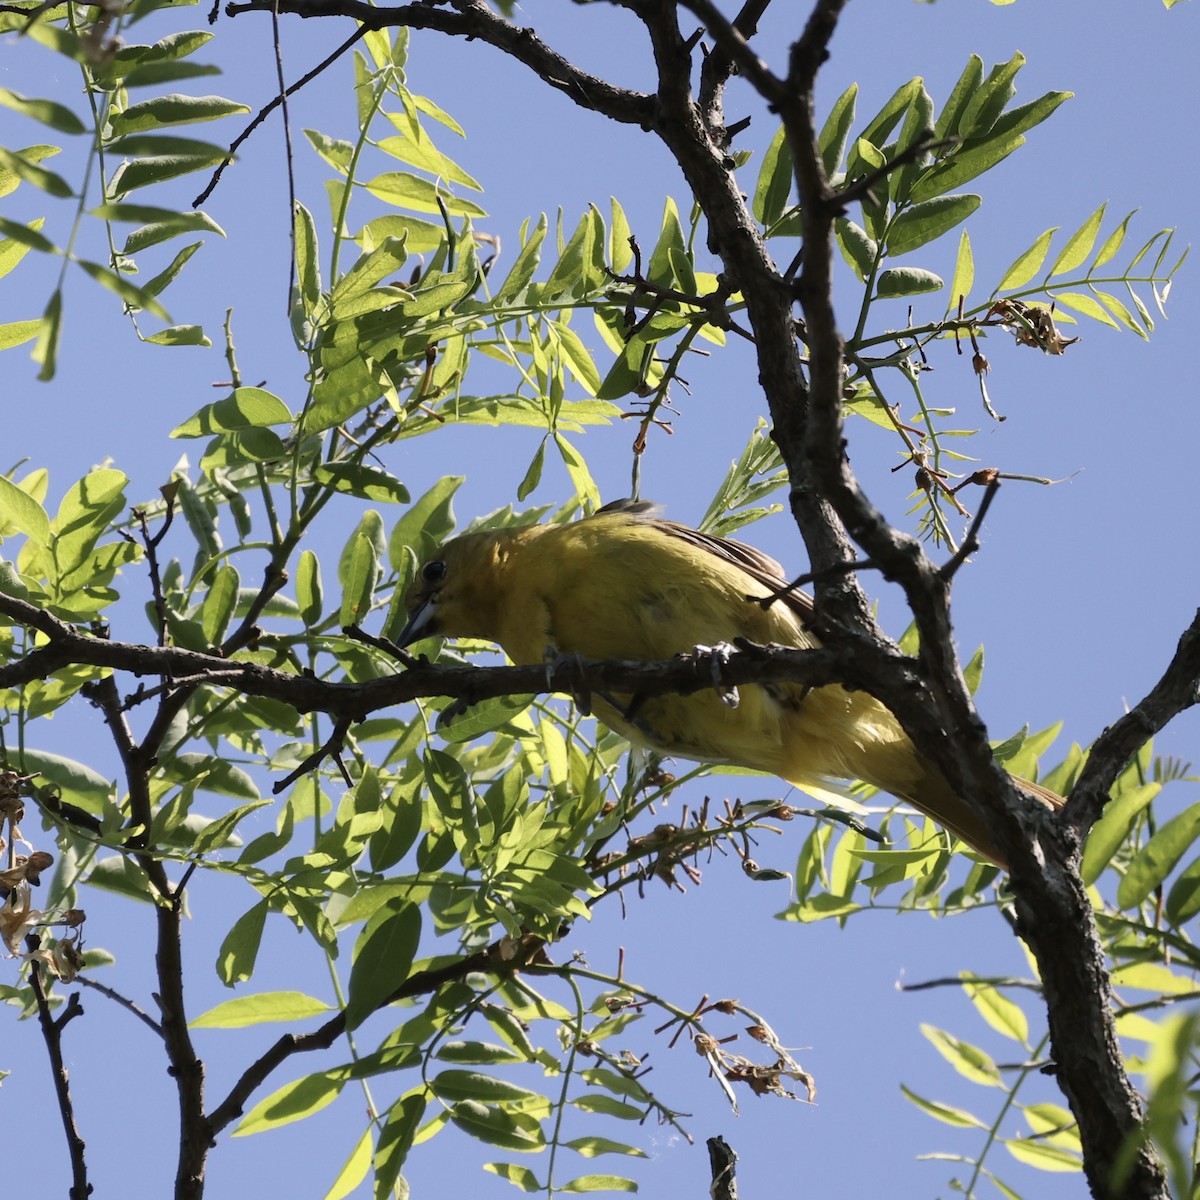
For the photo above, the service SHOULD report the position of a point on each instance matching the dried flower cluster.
(23, 872)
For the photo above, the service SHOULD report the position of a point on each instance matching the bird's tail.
(934, 796)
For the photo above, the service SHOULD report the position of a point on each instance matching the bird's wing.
(759, 566)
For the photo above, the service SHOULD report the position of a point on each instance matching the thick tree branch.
(473, 20)
(185, 1065)
(1177, 691)
(306, 693)
(719, 64)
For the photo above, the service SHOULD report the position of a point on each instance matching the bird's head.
(454, 591)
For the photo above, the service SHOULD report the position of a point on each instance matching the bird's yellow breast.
(618, 586)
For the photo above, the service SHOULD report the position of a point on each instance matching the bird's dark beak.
(420, 624)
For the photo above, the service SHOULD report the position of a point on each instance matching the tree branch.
(1177, 691)
(52, 1036)
(473, 20)
(500, 958)
(184, 1064)
(748, 663)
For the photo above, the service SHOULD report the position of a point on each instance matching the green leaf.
(45, 349)
(966, 87)
(27, 235)
(964, 273)
(576, 269)
(1183, 900)
(122, 876)
(354, 1169)
(368, 483)
(17, 333)
(989, 101)
(592, 1147)
(967, 1060)
(133, 295)
(521, 1177)
(84, 513)
(370, 270)
(1024, 117)
(481, 1053)
(836, 130)
(577, 468)
(927, 221)
(405, 190)
(10, 178)
(157, 224)
(453, 1085)
(19, 166)
(421, 153)
(1089, 306)
(156, 285)
(156, 74)
(213, 836)
(599, 1183)
(1155, 861)
(395, 1140)
(1113, 242)
(246, 408)
(945, 1113)
(598, 1102)
(261, 1009)
(19, 509)
(383, 956)
(527, 262)
(497, 1127)
(428, 522)
(77, 783)
(906, 281)
(293, 1102)
(859, 251)
(1027, 265)
(484, 717)
(890, 114)
(964, 165)
(218, 606)
(579, 362)
(178, 335)
(172, 47)
(533, 473)
(175, 109)
(1043, 1155)
(1079, 244)
(159, 168)
(1004, 1016)
(774, 181)
(308, 266)
(1118, 310)
(308, 588)
(337, 152)
(361, 571)
(57, 116)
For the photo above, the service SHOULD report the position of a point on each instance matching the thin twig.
(287, 149)
(331, 749)
(500, 958)
(971, 541)
(268, 108)
(124, 1001)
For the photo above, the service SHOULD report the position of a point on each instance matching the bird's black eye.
(433, 572)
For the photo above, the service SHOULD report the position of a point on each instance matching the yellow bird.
(624, 584)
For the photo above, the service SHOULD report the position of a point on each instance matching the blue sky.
(1079, 592)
